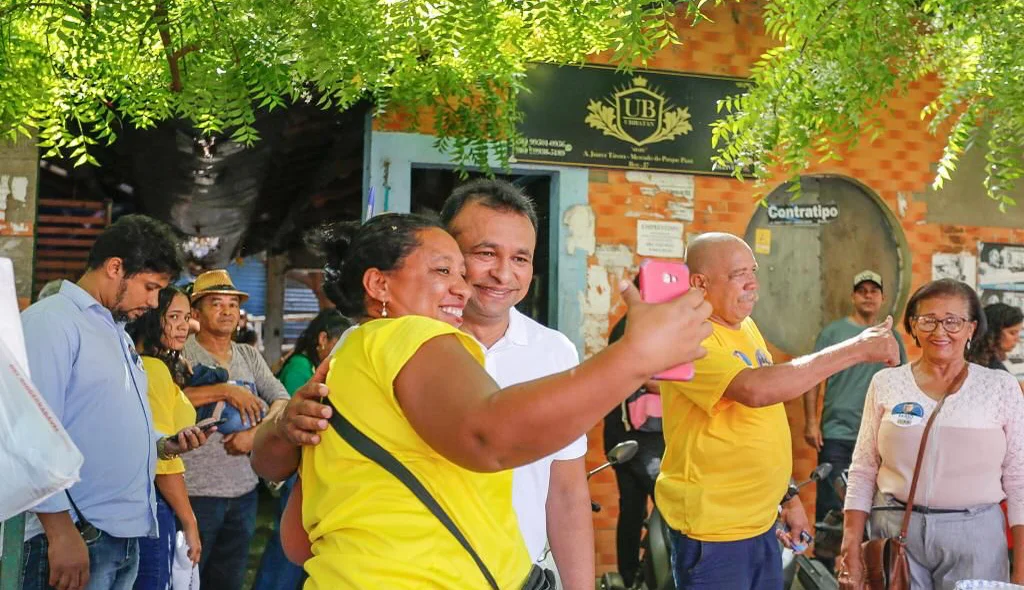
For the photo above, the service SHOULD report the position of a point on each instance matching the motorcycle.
(620, 453)
(655, 572)
(800, 572)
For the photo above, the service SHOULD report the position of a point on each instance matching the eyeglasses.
(951, 323)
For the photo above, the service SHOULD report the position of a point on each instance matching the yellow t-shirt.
(171, 409)
(367, 529)
(726, 465)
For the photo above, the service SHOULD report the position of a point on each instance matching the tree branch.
(160, 13)
(234, 49)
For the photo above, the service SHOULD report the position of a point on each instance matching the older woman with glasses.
(974, 457)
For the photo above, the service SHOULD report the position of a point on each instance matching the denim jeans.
(839, 453)
(226, 528)
(155, 555)
(276, 572)
(113, 563)
(749, 564)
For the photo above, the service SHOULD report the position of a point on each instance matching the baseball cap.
(867, 275)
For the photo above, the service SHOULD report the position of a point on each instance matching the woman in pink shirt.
(973, 460)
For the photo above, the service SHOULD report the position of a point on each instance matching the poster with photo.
(960, 266)
(1000, 266)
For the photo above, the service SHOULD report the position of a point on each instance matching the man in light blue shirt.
(87, 369)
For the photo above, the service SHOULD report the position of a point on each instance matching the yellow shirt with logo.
(726, 465)
(171, 409)
(367, 529)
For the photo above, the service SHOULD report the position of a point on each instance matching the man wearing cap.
(221, 484)
(844, 392)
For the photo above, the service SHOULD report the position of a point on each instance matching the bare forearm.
(56, 524)
(172, 488)
(811, 406)
(205, 394)
(570, 525)
(555, 410)
(273, 458)
(771, 385)
(853, 529)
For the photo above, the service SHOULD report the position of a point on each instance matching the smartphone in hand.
(662, 281)
(208, 424)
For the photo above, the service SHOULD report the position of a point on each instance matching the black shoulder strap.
(379, 455)
(81, 518)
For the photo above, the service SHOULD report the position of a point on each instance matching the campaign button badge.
(907, 414)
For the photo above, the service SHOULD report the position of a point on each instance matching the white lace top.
(975, 452)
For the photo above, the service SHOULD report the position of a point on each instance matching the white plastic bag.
(184, 575)
(37, 457)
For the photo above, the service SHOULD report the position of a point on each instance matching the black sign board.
(598, 117)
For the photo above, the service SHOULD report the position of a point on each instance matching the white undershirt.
(530, 351)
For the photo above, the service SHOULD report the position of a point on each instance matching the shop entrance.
(809, 255)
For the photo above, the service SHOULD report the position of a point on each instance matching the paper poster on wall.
(960, 266)
(662, 239)
(763, 241)
(1000, 266)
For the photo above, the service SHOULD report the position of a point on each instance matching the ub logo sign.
(639, 115)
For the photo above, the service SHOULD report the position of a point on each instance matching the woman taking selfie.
(159, 336)
(973, 457)
(413, 383)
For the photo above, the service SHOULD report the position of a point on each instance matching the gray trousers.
(946, 548)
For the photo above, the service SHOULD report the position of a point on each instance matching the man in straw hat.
(221, 484)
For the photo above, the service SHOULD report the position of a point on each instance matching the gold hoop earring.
(384, 309)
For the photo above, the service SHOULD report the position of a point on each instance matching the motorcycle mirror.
(821, 472)
(622, 452)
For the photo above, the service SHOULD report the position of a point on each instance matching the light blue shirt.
(86, 367)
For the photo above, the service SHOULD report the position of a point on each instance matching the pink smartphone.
(662, 281)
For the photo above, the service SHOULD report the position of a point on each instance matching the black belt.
(922, 509)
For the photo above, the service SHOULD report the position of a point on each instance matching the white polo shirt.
(530, 351)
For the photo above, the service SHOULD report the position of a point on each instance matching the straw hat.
(215, 282)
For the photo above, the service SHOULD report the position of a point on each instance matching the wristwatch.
(161, 450)
(791, 493)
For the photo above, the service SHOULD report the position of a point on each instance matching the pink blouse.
(975, 452)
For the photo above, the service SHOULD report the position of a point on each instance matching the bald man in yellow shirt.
(728, 459)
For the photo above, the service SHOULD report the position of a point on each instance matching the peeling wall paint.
(579, 221)
(617, 259)
(682, 211)
(596, 303)
(679, 185)
(645, 214)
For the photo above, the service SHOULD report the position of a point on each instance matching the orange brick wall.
(898, 164)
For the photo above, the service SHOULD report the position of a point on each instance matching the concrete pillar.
(19, 182)
(273, 326)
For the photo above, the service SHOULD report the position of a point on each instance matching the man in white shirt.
(495, 226)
